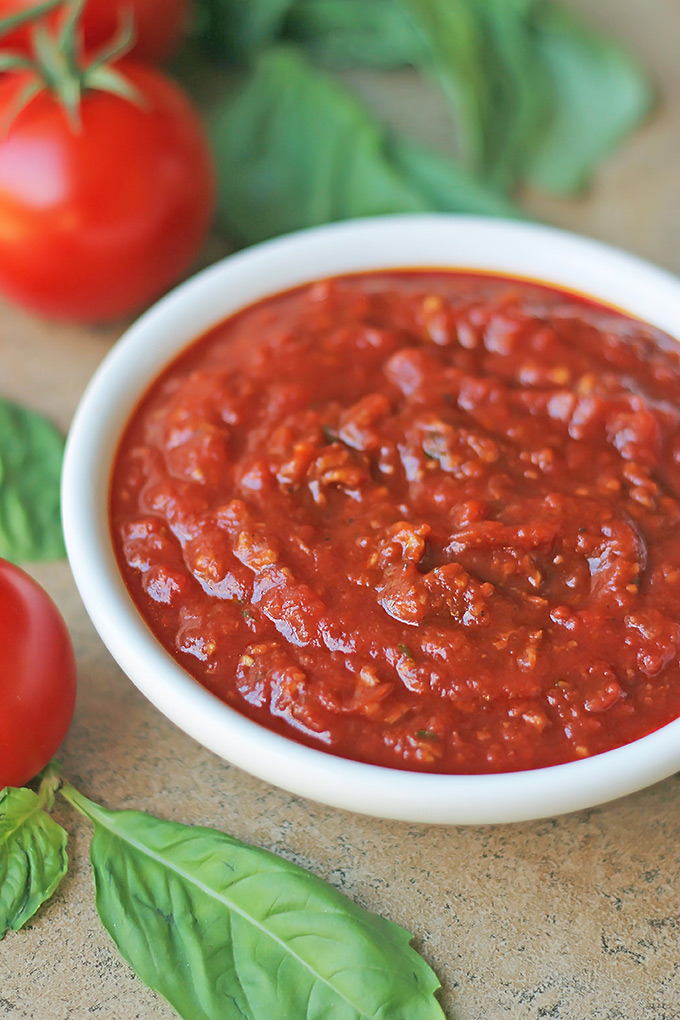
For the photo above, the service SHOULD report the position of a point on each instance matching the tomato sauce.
(424, 519)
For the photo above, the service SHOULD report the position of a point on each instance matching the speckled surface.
(574, 918)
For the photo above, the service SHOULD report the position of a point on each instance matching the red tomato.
(158, 24)
(37, 677)
(98, 221)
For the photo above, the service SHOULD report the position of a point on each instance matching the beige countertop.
(571, 918)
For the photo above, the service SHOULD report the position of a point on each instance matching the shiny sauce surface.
(424, 519)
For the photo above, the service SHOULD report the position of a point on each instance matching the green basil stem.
(50, 784)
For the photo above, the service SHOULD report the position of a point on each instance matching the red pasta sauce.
(424, 519)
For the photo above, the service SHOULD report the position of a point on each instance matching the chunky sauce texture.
(423, 519)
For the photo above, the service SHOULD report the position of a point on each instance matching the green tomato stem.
(8, 25)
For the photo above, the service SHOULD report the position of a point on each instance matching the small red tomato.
(37, 677)
(158, 24)
(98, 220)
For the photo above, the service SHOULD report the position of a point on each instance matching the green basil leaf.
(31, 451)
(296, 149)
(522, 7)
(482, 54)
(600, 95)
(355, 33)
(454, 42)
(523, 94)
(448, 187)
(33, 857)
(222, 929)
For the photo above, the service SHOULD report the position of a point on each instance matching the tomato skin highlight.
(37, 677)
(159, 25)
(98, 221)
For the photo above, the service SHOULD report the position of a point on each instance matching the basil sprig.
(221, 929)
(33, 857)
(536, 97)
(295, 149)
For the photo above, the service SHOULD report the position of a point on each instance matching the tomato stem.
(9, 24)
(59, 64)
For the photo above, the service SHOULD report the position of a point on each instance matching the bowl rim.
(510, 248)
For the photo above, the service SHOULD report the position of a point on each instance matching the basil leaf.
(355, 33)
(33, 857)
(483, 56)
(481, 53)
(31, 451)
(455, 46)
(533, 90)
(522, 91)
(295, 149)
(222, 929)
(600, 95)
(446, 185)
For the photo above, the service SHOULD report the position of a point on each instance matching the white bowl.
(506, 247)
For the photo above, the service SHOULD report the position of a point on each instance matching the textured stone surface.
(568, 918)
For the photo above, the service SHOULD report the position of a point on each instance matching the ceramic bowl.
(506, 247)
